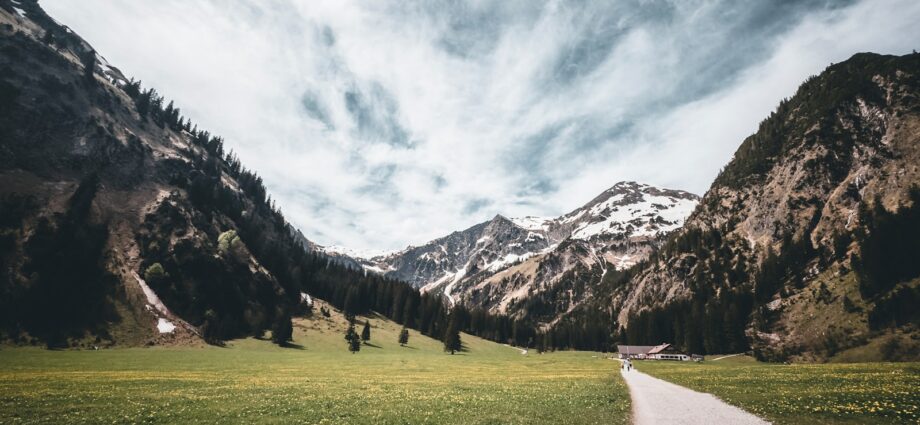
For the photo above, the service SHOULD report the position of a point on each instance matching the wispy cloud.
(380, 124)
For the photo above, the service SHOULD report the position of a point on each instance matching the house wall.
(670, 356)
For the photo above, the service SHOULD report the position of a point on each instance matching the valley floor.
(253, 381)
(857, 393)
(319, 381)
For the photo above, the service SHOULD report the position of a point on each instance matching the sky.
(380, 124)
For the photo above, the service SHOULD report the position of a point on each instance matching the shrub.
(230, 244)
(155, 274)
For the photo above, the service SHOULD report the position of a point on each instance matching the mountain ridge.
(619, 227)
(773, 251)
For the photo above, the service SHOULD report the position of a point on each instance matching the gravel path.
(657, 402)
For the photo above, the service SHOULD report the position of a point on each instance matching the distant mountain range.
(122, 223)
(498, 263)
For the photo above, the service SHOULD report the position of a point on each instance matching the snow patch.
(156, 306)
(165, 326)
(620, 217)
(572, 217)
(508, 259)
(623, 262)
(532, 223)
(107, 71)
(365, 254)
(20, 12)
(450, 287)
(376, 269)
(775, 304)
(152, 299)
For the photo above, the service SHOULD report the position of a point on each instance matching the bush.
(230, 244)
(155, 274)
(889, 349)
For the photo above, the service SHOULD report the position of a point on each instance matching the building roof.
(634, 349)
(642, 349)
(659, 348)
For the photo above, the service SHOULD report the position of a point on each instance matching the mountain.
(122, 223)
(500, 263)
(807, 243)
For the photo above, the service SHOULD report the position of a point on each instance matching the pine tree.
(403, 337)
(48, 38)
(366, 332)
(210, 328)
(355, 345)
(282, 330)
(452, 341)
(89, 67)
(142, 102)
(352, 338)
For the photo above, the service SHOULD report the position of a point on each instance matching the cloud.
(387, 123)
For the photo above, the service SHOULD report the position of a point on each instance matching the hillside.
(124, 224)
(110, 199)
(526, 266)
(806, 243)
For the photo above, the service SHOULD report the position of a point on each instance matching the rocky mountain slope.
(121, 222)
(501, 263)
(792, 250)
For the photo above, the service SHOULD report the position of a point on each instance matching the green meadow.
(317, 381)
(857, 393)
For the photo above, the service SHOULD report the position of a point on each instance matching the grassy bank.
(873, 393)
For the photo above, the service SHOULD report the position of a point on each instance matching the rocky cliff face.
(501, 263)
(782, 223)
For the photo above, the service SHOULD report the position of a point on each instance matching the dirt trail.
(655, 402)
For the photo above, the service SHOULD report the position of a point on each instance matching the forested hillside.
(123, 223)
(806, 243)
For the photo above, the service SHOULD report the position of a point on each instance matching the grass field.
(864, 393)
(320, 382)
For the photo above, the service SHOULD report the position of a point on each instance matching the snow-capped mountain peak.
(497, 263)
(631, 209)
(617, 227)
